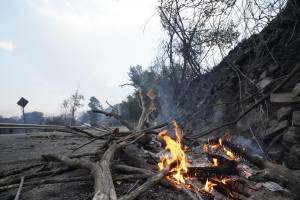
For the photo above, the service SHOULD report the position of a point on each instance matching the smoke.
(249, 144)
(167, 106)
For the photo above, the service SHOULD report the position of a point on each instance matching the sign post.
(23, 102)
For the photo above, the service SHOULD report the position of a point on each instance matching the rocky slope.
(248, 75)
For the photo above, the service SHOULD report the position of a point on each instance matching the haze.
(49, 48)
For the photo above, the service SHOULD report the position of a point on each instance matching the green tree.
(94, 104)
(130, 109)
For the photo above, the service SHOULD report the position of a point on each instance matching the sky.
(50, 48)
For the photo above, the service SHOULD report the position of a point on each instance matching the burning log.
(236, 151)
(208, 172)
(269, 171)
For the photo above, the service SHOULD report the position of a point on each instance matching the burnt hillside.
(247, 78)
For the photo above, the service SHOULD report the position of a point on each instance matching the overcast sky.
(49, 48)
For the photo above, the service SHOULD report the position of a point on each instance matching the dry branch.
(19, 170)
(13, 180)
(149, 183)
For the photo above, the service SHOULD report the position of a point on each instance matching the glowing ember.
(205, 148)
(214, 147)
(176, 154)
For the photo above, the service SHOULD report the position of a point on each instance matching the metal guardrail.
(30, 126)
(39, 126)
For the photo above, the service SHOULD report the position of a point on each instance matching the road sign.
(22, 102)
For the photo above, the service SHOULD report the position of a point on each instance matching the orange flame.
(209, 186)
(177, 154)
(215, 161)
(229, 153)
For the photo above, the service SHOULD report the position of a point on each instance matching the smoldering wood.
(207, 172)
(239, 152)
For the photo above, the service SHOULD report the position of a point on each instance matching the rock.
(291, 137)
(284, 113)
(295, 150)
(276, 152)
(284, 98)
(263, 84)
(296, 90)
(276, 129)
(296, 118)
(291, 161)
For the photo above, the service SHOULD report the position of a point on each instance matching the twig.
(87, 143)
(19, 189)
(133, 186)
(257, 141)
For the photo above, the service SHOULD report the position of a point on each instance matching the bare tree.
(196, 29)
(71, 105)
(65, 108)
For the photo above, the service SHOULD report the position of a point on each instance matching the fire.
(220, 141)
(177, 154)
(215, 161)
(224, 180)
(229, 153)
(209, 186)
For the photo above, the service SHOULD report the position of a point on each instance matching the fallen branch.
(72, 179)
(19, 170)
(103, 185)
(149, 183)
(13, 180)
